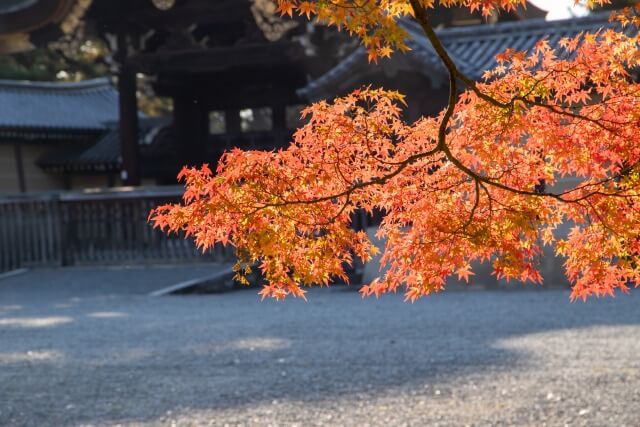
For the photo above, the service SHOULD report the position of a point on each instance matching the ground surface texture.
(90, 347)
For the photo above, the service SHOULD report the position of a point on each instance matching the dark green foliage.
(77, 57)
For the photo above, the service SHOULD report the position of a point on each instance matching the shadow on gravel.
(120, 356)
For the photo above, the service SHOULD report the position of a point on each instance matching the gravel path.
(88, 347)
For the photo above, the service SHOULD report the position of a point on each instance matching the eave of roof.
(104, 154)
(24, 23)
(11, 6)
(472, 48)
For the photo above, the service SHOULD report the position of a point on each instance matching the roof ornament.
(73, 19)
(269, 21)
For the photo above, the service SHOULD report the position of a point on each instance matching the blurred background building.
(106, 93)
(218, 73)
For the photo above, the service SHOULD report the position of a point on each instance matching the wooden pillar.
(129, 146)
(191, 122)
(17, 150)
(279, 122)
(232, 121)
(67, 180)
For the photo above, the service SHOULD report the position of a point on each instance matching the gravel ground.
(89, 347)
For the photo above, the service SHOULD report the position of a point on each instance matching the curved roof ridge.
(515, 26)
(472, 48)
(337, 73)
(97, 83)
(429, 58)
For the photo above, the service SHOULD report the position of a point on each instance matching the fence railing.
(98, 228)
(108, 227)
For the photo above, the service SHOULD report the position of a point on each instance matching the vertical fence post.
(58, 217)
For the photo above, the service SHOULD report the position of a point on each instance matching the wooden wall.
(8, 171)
(36, 179)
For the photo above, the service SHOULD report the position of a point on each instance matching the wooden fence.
(108, 227)
(91, 228)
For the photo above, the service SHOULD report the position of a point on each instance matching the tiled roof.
(473, 48)
(87, 105)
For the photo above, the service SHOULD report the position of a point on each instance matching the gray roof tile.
(473, 48)
(87, 105)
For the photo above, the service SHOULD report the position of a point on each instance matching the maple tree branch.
(357, 186)
(474, 208)
(422, 17)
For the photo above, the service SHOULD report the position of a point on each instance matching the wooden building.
(40, 120)
(232, 69)
(237, 73)
(65, 136)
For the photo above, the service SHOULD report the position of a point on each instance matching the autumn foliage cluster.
(476, 183)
